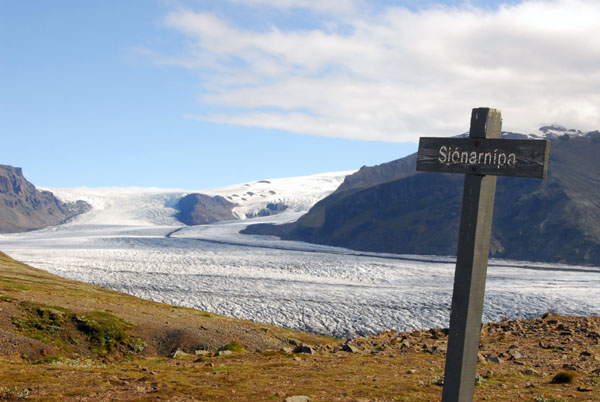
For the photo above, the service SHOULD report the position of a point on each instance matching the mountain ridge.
(409, 212)
(23, 207)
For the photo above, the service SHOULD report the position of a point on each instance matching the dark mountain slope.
(386, 172)
(23, 207)
(385, 218)
(557, 219)
(200, 209)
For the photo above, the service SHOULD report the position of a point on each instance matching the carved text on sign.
(454, 155)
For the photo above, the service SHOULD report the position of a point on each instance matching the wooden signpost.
(482, 157)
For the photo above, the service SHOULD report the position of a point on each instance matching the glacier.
(130, 242)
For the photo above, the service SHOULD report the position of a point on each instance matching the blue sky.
(198, 94)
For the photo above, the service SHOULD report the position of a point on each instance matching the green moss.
(5, 298)
(43, 322)
(105, 331)
(9, 285)
(235, 347)
(204, 314)
(51, 359)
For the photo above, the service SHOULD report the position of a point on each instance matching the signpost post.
(482, 156)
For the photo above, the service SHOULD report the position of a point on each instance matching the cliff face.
(23, 207)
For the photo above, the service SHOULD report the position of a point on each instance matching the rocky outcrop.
(23, 207)
(201, 209)
(269, 210)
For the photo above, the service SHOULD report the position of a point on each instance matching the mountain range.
(392, 208)
(384, 208)
(23, 207)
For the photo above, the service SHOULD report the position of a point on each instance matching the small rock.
(493, 359)
(304, 349)
(297, 398)
(529, 372)
(411, 371)
(178, 353)
(224, 352)
(396, 340)
(349, 348)
(201, 352)
(514, 354)
(584, 389)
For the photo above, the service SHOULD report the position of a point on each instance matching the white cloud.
(337, 6)
(396, 75)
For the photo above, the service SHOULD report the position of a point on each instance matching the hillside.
(23, 207)
(552, 220)
(89, 343)
(201, 209)
(49, 314)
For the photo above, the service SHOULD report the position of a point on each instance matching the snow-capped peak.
(550, 132)
(558, 130)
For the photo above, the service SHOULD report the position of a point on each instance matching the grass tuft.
(11, 394)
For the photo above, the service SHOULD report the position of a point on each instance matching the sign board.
(498, 157)
(481, 157)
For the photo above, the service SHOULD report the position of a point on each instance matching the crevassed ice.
(121, 245)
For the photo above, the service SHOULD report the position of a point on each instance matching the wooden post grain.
(471, 269)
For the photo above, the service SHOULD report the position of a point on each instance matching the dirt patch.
(18, 348)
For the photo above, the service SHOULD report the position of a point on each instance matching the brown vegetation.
(65, 340)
